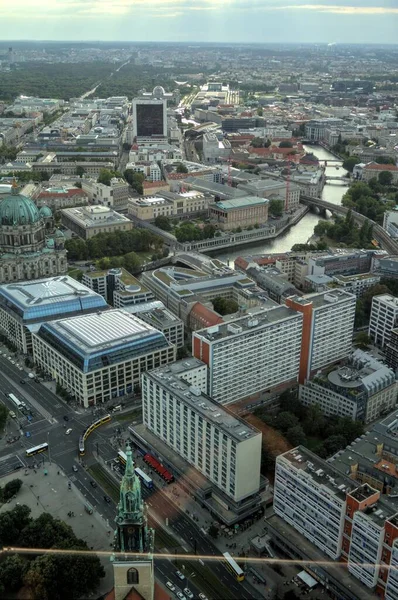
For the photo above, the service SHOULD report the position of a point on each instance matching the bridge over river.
(379, 234)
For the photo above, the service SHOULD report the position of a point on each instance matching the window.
(132, 576)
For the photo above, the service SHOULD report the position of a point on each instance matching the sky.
(339, 21)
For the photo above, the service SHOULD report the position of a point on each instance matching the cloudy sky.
(341, 21)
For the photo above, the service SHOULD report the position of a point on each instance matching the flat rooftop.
(171, 380)
(322, 299)
(320, 471)
(357, 277)
(47, 298)
(248, 323)
(240, 203)
(86, 216)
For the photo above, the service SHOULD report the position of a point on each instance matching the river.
(300, 233)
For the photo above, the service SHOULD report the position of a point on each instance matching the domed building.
(30, 248)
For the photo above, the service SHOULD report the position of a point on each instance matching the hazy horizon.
(195, 21)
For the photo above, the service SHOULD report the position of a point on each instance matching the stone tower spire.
(134, 540)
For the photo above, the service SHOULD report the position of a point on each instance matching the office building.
(184, 204)
(115, 195)
(221, 446)
(30, 245)
(391, 351)
(251, 354)
(342, 262)
(239, 212)
(150, 115)
(364, 389)
(383, 319)
(25, 305)
(215, 148)
(273, 281)
(356, 284)
(390, 222)
(156, 314)
(328, 328)
(100, 356)
(384, 265)
(345, 520)
(118, 287)
(87, 221)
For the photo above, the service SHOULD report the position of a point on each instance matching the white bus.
(147, 481)
(15, 401)
(233, 567)
(37, 449)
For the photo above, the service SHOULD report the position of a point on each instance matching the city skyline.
(298, 21)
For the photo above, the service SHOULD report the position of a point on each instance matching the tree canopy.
(115, 243)
(188, 231)
(275, 207)
(225, 306)
(345, 231)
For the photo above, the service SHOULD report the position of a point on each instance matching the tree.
(260, 112)
(181, 168)
(295, 435)
(257, 142)
(132, 262)
(286, 144)
(362, 340)
(213, 531)
(276, 207)
(135, 180)
(350, 162)
(385, 160)
(105, 176)
(79, 171)
(3, 416)
(12, 523)
(385, 178)
(11, 489)
(163, 222)
(182, 352)
(286, 420)
(334, 443)
(224, 306)
(12, 570)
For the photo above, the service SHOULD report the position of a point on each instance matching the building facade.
(150, 115)
(383, 319)
(118, 287)
(251, 354)
(328, 326)
(25, 305)
(224, 448)
(239, 212)
(100, 356)
(87, 221)
(156, 314)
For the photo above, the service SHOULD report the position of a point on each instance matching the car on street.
(107, 499)
(22, 381)
(12, 414)
(68, 431)
(188, 593)
(181, 596)
(170, 586)
(75, 469)
(202, 596)
(180, 575)
(66, 418)
(93, 484)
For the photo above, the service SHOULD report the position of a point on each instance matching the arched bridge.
(379, 233)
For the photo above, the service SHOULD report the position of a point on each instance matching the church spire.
(132, 534)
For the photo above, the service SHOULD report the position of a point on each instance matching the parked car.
(188, 593)
(181, 596)
(107, 499)
(93, 484)
(180, 575)
(75, 469)
(12, 414)
(202, 596)
(68, 431)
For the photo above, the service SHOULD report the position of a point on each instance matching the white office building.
(221, 446)
(251, 354)
(383, 318)
(100, 356)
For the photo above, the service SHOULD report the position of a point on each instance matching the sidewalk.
(49, 493)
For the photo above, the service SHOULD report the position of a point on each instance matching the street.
(48, 424)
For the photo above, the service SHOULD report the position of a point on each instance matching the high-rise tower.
(133, 557)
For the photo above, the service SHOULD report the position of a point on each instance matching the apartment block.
(383, 319)
(346, 521)
(364, 389)
(251, 354)
(356, 284)
(328, 326)
(221, 446)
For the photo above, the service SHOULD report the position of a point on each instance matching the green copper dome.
(45, 211)
(16, 209)
(59, 234)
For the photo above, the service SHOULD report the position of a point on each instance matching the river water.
(300, 233)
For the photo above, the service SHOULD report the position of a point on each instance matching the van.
(88, 508)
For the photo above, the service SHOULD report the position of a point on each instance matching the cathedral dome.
(16, 209)
(59, 234)
(45, 212)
